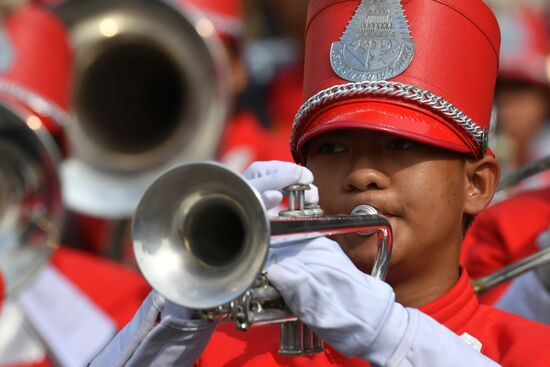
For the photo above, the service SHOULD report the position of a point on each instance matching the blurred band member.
(245, 140)
(285, 90)
(509, 231)
(506, 233)
(74, 305)
(522, 98)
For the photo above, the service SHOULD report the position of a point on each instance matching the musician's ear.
(481, 179)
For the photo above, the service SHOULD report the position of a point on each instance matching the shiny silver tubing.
(201, 238)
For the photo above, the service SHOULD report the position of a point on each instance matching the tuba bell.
(31, 208)
(148, 93)
(201, 237)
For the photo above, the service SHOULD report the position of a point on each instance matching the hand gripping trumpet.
(201, 239)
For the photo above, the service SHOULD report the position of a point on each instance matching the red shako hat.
(421, 69)
(225, 15)
(525, 51)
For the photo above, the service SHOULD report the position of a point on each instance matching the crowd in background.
(264, 56)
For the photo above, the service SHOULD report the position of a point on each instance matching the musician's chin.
(361, 249)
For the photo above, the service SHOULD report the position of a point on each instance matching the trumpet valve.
(297, 207)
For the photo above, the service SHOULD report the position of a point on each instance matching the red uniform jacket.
(505, 338)
(115, 290)
(246, 141)
(503, 234)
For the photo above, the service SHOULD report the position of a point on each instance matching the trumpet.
(149, 92)
(31, 210)
(201, 238)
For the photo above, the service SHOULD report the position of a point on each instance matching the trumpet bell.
(148, 89)
(201, 235)
(30, 198)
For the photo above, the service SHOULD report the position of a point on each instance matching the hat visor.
(389, 116)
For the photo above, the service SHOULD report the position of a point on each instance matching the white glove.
(357, 314)
(178, 339)
(269, 178)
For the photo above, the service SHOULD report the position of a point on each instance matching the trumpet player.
(398, 99)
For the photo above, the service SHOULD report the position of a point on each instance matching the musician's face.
(423, 190)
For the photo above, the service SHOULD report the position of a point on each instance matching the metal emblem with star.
(376, 45)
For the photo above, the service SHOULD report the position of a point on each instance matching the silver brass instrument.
(511, 271)
(149, 92)
(201, 237)
(30, 194)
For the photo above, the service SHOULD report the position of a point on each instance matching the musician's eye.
(330, 148)
(401, 144)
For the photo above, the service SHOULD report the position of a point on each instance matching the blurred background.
(98, 97)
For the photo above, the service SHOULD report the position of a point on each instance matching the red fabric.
(34, 33)
(226, 16)
(507, 339)
(114, 289)
(42, 58)
(503, 234)
(456, 57)
(92, 234)
(245, 132)
(285, 97)
(37, 364)
(227, 8)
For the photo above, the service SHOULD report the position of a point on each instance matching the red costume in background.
(285, 97)
(246, 141)
(33, 33)
(503, 234)
(116, 292)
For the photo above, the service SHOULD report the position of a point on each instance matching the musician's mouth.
(367, 209)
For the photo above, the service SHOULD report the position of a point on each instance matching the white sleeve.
(357, 314)
(527, 297)
(425, 342)
(145, 341)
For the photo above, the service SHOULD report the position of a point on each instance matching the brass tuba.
(30, 195)
(148, 93)
(201, 238)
